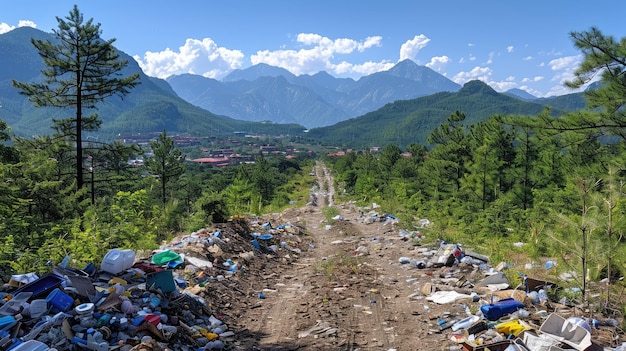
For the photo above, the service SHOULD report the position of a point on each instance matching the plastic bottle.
(465, 323)
(443, 325)
(286, 246)
(542, 295)
(522, 313)
(404, 260)
(533, 296)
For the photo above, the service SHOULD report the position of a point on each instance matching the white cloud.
(472, 57)
(509, 48)
(319, 55)
(201, 57)
(438, 63)
(370, 42)
(480, 73)
(410, 48)
(490, 59)
(567, 62)
(561, 89)
(471, 44)
(484, 74)
(533, 79)
(346, 68)
(564, 67)
(502, 86)
(552, 52)
(527, 58)
(566, 75)
(26, 23)
(4, 28)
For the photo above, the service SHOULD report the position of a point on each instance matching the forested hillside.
(410, 121)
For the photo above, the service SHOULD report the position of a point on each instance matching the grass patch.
(336, 266)
(329, 213)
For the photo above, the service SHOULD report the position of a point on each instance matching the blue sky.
(507, 44)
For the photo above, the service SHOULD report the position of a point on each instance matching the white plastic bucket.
(117, 260)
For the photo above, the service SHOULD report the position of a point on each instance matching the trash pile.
(160, 302)
(481, 311)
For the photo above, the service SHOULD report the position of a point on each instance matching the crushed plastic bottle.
(465, 323)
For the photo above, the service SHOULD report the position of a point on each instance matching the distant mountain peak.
(257, 71)
(408, 69)
(520, 94)
(477, 87)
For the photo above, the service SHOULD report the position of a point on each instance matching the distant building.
(221, 153)
(268, 149)
(180, 140)
(213, 161)
(144, 139)
(336, 154)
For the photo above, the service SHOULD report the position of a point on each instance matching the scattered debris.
(146, 303)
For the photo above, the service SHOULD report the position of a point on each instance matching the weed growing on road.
(343, 263)
(330, 213)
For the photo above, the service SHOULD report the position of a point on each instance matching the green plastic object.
(163, 280)
(165, 257)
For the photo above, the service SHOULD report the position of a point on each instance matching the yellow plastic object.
(211, 336)
(513, 327)
(116, 280)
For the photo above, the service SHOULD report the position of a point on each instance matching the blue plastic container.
(495, 311)
(41, 287)
(60, 300)
(7, 322)
(266, 237)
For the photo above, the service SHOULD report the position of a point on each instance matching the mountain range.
(150, 107)
(263, 92)
(401, 105)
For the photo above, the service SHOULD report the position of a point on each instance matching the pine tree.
(166, 161)
(81, 70)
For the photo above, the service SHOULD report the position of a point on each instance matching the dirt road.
(348, 291)
(351, 283)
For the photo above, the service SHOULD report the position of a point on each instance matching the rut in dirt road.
(323, 194)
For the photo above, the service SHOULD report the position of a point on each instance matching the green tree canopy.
(166, 161)
(81, 70)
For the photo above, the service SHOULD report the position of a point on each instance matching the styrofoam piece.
(564, 331)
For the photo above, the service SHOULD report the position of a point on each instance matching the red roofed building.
(213, 161)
